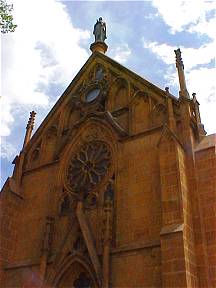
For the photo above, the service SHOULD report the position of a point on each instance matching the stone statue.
(100, 30)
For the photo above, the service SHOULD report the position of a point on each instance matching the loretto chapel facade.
(116, 188)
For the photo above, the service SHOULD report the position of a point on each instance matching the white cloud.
(163, 51)
(8, 150)
(179, 13)
(121, 53)
(6, 118)
(191, 56)
(45, 49)
(205, 26)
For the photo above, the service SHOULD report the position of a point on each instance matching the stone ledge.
(40, 166)
(149, 244)
(143, 133)
(173, 228)
(21, 264)
(36, 262)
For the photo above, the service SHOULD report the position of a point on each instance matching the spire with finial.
(180, 67)
(179, 62)
(29, 128)
(100, 37)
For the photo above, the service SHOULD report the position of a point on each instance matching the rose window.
(88, 167)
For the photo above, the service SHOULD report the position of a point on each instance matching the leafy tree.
(6, 18)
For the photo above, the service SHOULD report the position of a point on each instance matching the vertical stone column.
(87, 235)
(29, 128)
(46, 248)
(194, 214)
(178, 264)
(106, 244)
(206, 177)
(171, 118)
(107, 232)
(180, 67)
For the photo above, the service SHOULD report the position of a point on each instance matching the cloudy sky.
(52, 40)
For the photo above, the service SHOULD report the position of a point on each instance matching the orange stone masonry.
(116, 188)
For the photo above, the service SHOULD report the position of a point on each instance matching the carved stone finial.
(31, 120)
(179, 62)
(29, 128)
(180, 67)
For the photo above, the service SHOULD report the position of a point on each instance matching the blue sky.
(52, 43)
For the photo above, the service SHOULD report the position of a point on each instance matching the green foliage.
(6, 18)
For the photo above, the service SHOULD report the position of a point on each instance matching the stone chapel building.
(116, 188)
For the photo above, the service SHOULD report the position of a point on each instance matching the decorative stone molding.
(84, 100)
(87, 168)
(51, 132)
(56, 276)
(35, 155)
(138, 95)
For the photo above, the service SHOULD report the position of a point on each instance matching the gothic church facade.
(116, 188)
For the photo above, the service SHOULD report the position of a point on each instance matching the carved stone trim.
(87, 168)
(130, 248)
(56, 275)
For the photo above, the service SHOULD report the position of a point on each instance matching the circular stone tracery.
(88, 167)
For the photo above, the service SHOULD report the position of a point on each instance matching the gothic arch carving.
(33, 157)
(48, 146)
(51, 132)
(74, 116)
(69, 271)
(159, 114)
(99, 72)
(71, 113)
(140, 110)
(138, 95)
(66, 204)
(118, 94)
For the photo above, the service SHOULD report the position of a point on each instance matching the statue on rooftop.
(100, 30)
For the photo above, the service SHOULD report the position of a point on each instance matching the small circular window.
(92, 95)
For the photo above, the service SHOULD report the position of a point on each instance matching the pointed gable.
(101, 85)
